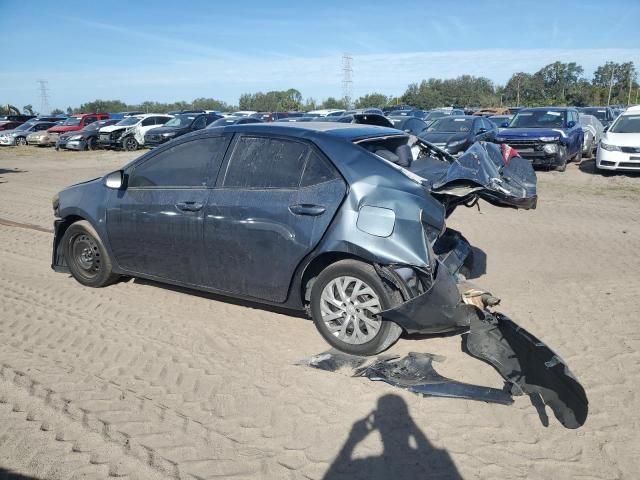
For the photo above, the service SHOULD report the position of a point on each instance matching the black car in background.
(454, 134)
(85, 139)
(177, 126)
(412, 125)
(224, 121)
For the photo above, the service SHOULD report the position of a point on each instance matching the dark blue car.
(547, 136)
(319, 216)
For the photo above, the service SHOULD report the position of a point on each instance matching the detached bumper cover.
(529, 365)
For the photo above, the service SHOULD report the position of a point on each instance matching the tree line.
(555, 84)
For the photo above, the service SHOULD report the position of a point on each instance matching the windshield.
(72, 121)
(451, 124)
(626, 124)
(180, 121)
(538, 119)
(128, 121)
(599, 113)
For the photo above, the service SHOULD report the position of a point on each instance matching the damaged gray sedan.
(346, 221)
(334, 218)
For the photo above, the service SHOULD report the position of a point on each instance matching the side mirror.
(482, 130)
(504, 124)
(114, 180)
(571, 124)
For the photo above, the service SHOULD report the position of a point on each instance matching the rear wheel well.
(318, 264)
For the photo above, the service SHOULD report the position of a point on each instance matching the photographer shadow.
(407, 453)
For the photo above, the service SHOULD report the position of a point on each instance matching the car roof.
(347, 131)
(546, 109)
(632, 110)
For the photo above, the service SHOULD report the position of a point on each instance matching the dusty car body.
(361, 205)
(593, 133)
(42, 139)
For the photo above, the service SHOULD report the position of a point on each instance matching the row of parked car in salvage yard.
(549, 137)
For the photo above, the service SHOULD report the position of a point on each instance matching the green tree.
(558, 78)
(57, 111)
(332, 102)
(28, 109)
(373, 100)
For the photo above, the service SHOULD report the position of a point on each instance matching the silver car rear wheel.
(350, 310)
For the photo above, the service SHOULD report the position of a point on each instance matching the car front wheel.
(86, 256)
(346, 301)
(130, 144)
(21, 141)
(563, 159)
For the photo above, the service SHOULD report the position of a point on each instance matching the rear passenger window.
(184, 165)
(317, 171)
(261, 163)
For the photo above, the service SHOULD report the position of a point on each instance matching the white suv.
(128, 134)
(619, 149)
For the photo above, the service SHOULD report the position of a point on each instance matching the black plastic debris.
(415, 373)
(529, 365)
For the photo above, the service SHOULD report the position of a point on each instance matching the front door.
(155, 226)
(269, 209)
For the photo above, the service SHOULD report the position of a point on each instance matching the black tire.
(388, 333)
(21, 141)
(86, 256)
(130, 144)
(92, 143)
(563, 160)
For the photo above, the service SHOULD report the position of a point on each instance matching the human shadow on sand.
(11, 475)
(407, 453)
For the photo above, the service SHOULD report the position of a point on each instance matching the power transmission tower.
(347, 78)
(44, 96)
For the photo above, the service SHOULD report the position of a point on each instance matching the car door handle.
(307, 209)
(189, 206)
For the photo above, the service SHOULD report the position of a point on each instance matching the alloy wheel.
(350, 310)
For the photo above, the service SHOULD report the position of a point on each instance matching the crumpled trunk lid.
(480, 172)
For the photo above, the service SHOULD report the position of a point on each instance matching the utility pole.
(44, 96)
(630, 85)
(518, 94)
(610, 86)
(347, 78)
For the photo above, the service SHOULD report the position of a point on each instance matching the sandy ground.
(142, 381)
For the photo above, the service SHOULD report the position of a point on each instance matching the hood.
(113, 128)
(530, 133)
(9, 132)
(444, 137)
(622, 139)
(481, 171)
(161, 130)
(65, 128)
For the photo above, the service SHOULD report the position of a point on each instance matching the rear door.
(274, 199)
(155, 225)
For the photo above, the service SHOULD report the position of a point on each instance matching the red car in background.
(78, 122)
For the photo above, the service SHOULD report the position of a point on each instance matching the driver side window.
(187, 164)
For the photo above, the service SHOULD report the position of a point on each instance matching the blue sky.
(168, 51)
